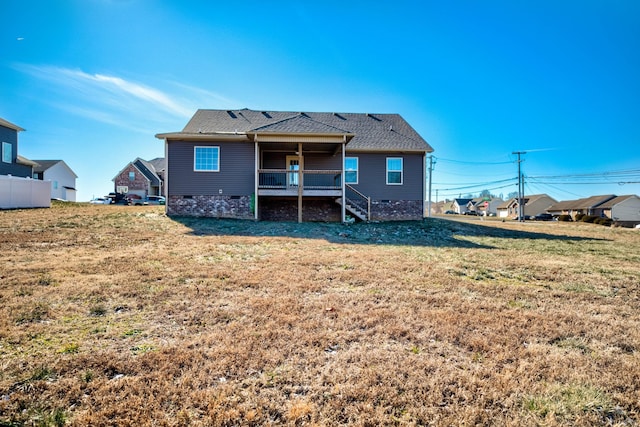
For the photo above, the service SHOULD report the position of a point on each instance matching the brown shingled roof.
(371, 132)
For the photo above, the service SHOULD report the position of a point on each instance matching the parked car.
(149, 200)
(132, 199)
(450, 212)
(524, 218)
(543, 217)
(118, 199)
(100, 201)
(473, 213)
(155, 200)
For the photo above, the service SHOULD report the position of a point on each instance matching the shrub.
(565, 218)
(579, 217)
(604, 221)
(589, 218)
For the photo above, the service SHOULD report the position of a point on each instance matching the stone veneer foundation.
(210, 206)
(396, 210)
(286, 209)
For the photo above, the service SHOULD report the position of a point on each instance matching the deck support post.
(257, 180)
(343, 211)
(300, 181)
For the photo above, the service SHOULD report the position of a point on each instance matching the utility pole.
(520, 187)
(430, 179)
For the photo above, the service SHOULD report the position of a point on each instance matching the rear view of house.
(274, 165)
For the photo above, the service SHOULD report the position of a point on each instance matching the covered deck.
(301, 166)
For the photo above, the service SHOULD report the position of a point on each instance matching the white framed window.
(206, 159)
(132, 176)
(351, 170)
(7, 152)
(394, 171)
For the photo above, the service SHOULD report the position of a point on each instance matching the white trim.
(194, 158)
(394, 170)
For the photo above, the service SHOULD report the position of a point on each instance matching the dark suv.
(543, 217)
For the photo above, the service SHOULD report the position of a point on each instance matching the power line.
(484, 184)
(473, 163)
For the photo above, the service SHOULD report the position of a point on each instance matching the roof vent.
(391, 127)
(232, 114)
(267, 115)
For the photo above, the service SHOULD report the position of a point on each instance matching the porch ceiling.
(308, 147)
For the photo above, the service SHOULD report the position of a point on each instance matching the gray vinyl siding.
(235, 178)
(273, 160)
(11, 136)
(372, 176)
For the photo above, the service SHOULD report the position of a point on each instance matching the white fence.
(18, 192)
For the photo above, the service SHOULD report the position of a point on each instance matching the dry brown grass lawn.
(116, 315)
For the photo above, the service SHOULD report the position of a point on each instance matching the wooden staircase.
(357, 204)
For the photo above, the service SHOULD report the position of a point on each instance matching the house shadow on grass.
(433, 232)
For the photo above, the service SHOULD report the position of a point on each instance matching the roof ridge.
(296, 116)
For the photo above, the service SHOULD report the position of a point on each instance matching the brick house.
(141, 178)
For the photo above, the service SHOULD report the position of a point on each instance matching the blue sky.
(92, 81)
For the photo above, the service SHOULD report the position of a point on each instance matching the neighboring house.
(586, 206)
(10, 162)
(533, 205)
(17, 189)
(623, 209)
(62, 178)
(142, 178)
(276, 165)
(460, 205)
(484, 205)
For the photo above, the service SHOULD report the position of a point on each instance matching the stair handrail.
(367, 199)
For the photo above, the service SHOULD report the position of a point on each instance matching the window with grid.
(206, 159)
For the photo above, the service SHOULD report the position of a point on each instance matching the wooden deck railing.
(283, 179)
